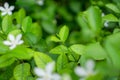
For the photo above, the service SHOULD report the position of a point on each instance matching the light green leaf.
(7, 24)
(26, 24)
(21, 52)
(41, 59)
(78, 49)
(95, 51)
(113, 7)
(59, 50)
(110, 17)
(55, 39)
(6, 60)
(22, 71)
(112, 46)
(20, 16)
(62, 62)
(94, 19)
(63, 34)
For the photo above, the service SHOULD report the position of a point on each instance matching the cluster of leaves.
(67, 32)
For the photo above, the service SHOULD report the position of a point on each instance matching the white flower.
(13, 41)
(87, 71)
(46, 74)
(6, 9)
(106, 22)
(40, 2)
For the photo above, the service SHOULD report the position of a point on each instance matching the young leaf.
(78, 49)
(63, 34)
(41, 59)
(59, 50)
(7, 24)
(62, 62)
(22, 71)
(26, 24)
(55, 39)
(6, 60)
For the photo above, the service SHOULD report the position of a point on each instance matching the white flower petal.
(90, 65)
(9, 13)
(106, 24)
(49, 67)
(39, 72)
(80, 71)
(40, 2)
(6, 5)
(20, 42)
(18, 37)
(2, 9)
(11, 8)
(7, 42)
(103, 14)
(56, 77)
(4, 13)
(12, 47)
(11, 37)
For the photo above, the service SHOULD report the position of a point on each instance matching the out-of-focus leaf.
(41, 59)
(26, 24)
(113, 7)
(22, 71)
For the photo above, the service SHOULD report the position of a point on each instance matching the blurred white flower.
(106, 22)
(87, 71)
(13, 41)
(6, 9)
(47, 73)
(40, 2)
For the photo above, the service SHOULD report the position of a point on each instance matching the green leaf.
(36, 30)
(55, 39)
(63, 34)
(59, 50)
(22, 71)
(95, 51)
(78, 49)
(113, 7)
(62, 62)
(110, 17)
(41, 59)
(3, 48)
(21, 52)
(26, 24)
(20, 16)
(6, 60)
(94, 19)
(7, 24)
(112, 47)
